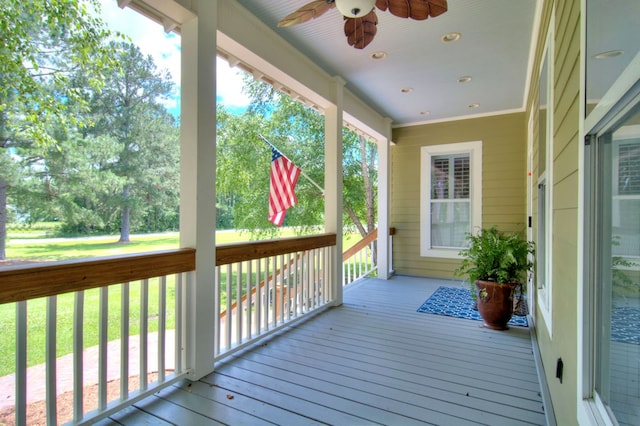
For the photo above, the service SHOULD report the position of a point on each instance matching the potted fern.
(496, 263)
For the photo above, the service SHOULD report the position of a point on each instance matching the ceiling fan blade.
(414, 9)
(361, 31)
(308, 11)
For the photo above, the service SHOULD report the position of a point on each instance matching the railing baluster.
(21, 363)
(272, 293)
(318, 281)
(309, 278)
(103, 342)
(313, 282)
(290, 283)
(296, 284)
(323, 275)
(303, 281)
(238, 301)
(229, 297)
(144, 333)
(124, 341)
(162, 327)
(178, 332)
(258, 296)
(78, 343)
(217, 341)
(281, 293)
(51, 326)
(267, 294)
(249, 308)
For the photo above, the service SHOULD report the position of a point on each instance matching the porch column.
(197, 181)
(384, 249)
(333, 184)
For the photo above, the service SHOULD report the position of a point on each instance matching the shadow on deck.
(374, 360)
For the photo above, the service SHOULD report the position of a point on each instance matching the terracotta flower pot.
(495, 303)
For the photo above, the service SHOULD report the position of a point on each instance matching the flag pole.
(306, 176)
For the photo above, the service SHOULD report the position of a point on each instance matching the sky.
(152, 40)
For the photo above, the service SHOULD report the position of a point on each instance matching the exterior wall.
(503, 183)
(559, 339)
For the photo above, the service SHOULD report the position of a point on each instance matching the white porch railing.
(360, 260)
(72, 307)
(262, 286)
(55, 310)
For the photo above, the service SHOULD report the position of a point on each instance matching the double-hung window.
(450, 197)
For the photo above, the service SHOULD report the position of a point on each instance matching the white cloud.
(164, 48)
(229, 88)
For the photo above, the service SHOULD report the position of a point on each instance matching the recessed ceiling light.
(378, 55)
(451, 37)
(464, 79)
(425, 112)
(406, 90)
(608, 54)
(475, 105)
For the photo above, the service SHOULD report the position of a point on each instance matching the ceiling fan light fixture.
(406, 90)
(379, 55)
(474, 105)
(355, 8)
(451, 37)
(464, 79)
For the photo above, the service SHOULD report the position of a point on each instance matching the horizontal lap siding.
(565, 210)
(503, 183)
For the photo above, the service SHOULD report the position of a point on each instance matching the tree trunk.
(125, 214)
(367, 165)
(368, 187)
(355, 219)
(3, 219)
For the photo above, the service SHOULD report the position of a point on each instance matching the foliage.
(243, 164)
(44, 43)
(143, 164)
(496, 256)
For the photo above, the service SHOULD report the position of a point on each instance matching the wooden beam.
(26, 282)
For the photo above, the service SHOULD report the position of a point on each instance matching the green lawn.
(50, 250)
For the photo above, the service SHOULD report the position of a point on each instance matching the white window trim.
(544, 295)
(474, 149)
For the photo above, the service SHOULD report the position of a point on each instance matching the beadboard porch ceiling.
(494, 50)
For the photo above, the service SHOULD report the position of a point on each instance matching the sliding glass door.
(615, 283)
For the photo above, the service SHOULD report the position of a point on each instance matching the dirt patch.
(37, 414)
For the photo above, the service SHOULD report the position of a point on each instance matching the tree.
(129, 110)
(298, 131)
(43, 43)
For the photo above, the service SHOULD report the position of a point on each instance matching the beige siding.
(503, 182)
(566, 97)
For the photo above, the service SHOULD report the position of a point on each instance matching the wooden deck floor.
(374, 360)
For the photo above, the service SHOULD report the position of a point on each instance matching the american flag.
(284, 175)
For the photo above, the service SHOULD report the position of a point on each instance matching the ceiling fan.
(361, 22)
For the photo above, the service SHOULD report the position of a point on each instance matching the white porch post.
(197, 181)
(384, 250)
(333, 184)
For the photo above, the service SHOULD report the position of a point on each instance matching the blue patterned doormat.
(457, 302)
